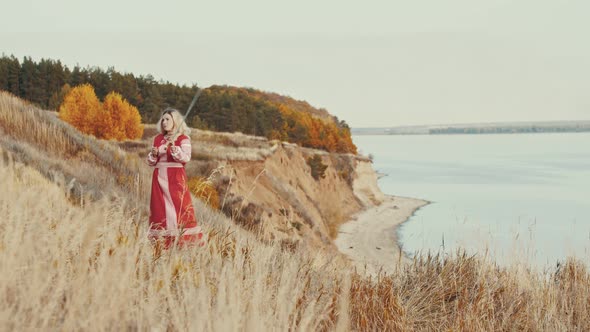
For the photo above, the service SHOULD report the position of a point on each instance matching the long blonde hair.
(180, 127)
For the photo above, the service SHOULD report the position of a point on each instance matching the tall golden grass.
(65, 267)
(72, 266)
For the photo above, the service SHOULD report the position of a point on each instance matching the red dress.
(171, 210)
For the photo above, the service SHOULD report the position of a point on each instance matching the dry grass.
(75, 264)
(334, 218)
(468, 293)
(72, 268)
(210, 145)
(288, 193)
(25, 123)
(203, 189)
(56, 149)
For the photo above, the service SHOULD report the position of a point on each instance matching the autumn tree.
(220, 108)
(80, 108)
(114, 119)
(120, 120)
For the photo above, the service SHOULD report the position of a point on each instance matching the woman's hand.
(154, 151)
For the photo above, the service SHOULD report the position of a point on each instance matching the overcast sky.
(371, 63)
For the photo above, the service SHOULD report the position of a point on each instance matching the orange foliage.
(114, 119)
(204, 190)
(80, 108)
(319, 133)
(296, 121)
(123, 119)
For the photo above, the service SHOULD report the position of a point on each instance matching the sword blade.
(193, 102)
(199, 91)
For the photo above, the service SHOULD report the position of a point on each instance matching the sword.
(190, 107)
(199, 91)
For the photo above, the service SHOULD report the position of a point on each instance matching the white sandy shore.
(370, 238)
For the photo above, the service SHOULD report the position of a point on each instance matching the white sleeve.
(184, 153)
(151, 160)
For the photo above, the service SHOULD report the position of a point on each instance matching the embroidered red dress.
(171, 210)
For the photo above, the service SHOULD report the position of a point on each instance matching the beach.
(370, 240)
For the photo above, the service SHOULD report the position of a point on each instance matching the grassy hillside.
(78, 259)
(84, 262)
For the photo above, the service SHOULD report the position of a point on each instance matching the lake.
(514, 197)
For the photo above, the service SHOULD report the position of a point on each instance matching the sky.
(370, 63)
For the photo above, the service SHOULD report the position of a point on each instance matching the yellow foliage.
(80, 108)
(113, 119)
(123, 119)
(204, 190)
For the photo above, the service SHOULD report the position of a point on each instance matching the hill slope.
(74, 255)
(74, 250)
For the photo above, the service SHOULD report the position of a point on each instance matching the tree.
(120, 120)
(197, 122)
(57, 97)
(80, 108)
(318, 168)
(13, 73)
(220, 108)
(4, 64)
(30, 82)
(114, 119)
(56, 78)
(78, 76)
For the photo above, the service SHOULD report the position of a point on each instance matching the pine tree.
(58, 97)
(78, 76)
(29, 81)
(13, 76)
(56, 80)
(4, 65)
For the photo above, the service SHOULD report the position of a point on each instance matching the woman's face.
(167, 122)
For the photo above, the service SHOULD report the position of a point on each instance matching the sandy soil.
(370, 238)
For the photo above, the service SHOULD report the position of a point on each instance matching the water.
(523, 197)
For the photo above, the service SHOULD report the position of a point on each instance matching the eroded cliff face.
(278, 198)
(365, 187)
(267, 186)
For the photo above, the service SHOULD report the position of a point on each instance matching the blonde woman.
(172, 216)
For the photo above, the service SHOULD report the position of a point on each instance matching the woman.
(172, 216)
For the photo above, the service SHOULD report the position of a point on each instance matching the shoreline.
(370, 238)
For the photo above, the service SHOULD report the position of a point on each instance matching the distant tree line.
(260, 113)
(220, 108)
(510, 130)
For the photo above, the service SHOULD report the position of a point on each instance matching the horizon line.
(476, 123)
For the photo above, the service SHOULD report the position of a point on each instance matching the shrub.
(204, 190)
(123, 119)
(318, 169)
(80, 108)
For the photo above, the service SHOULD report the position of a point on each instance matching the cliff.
(278, 197)
(267, 186)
